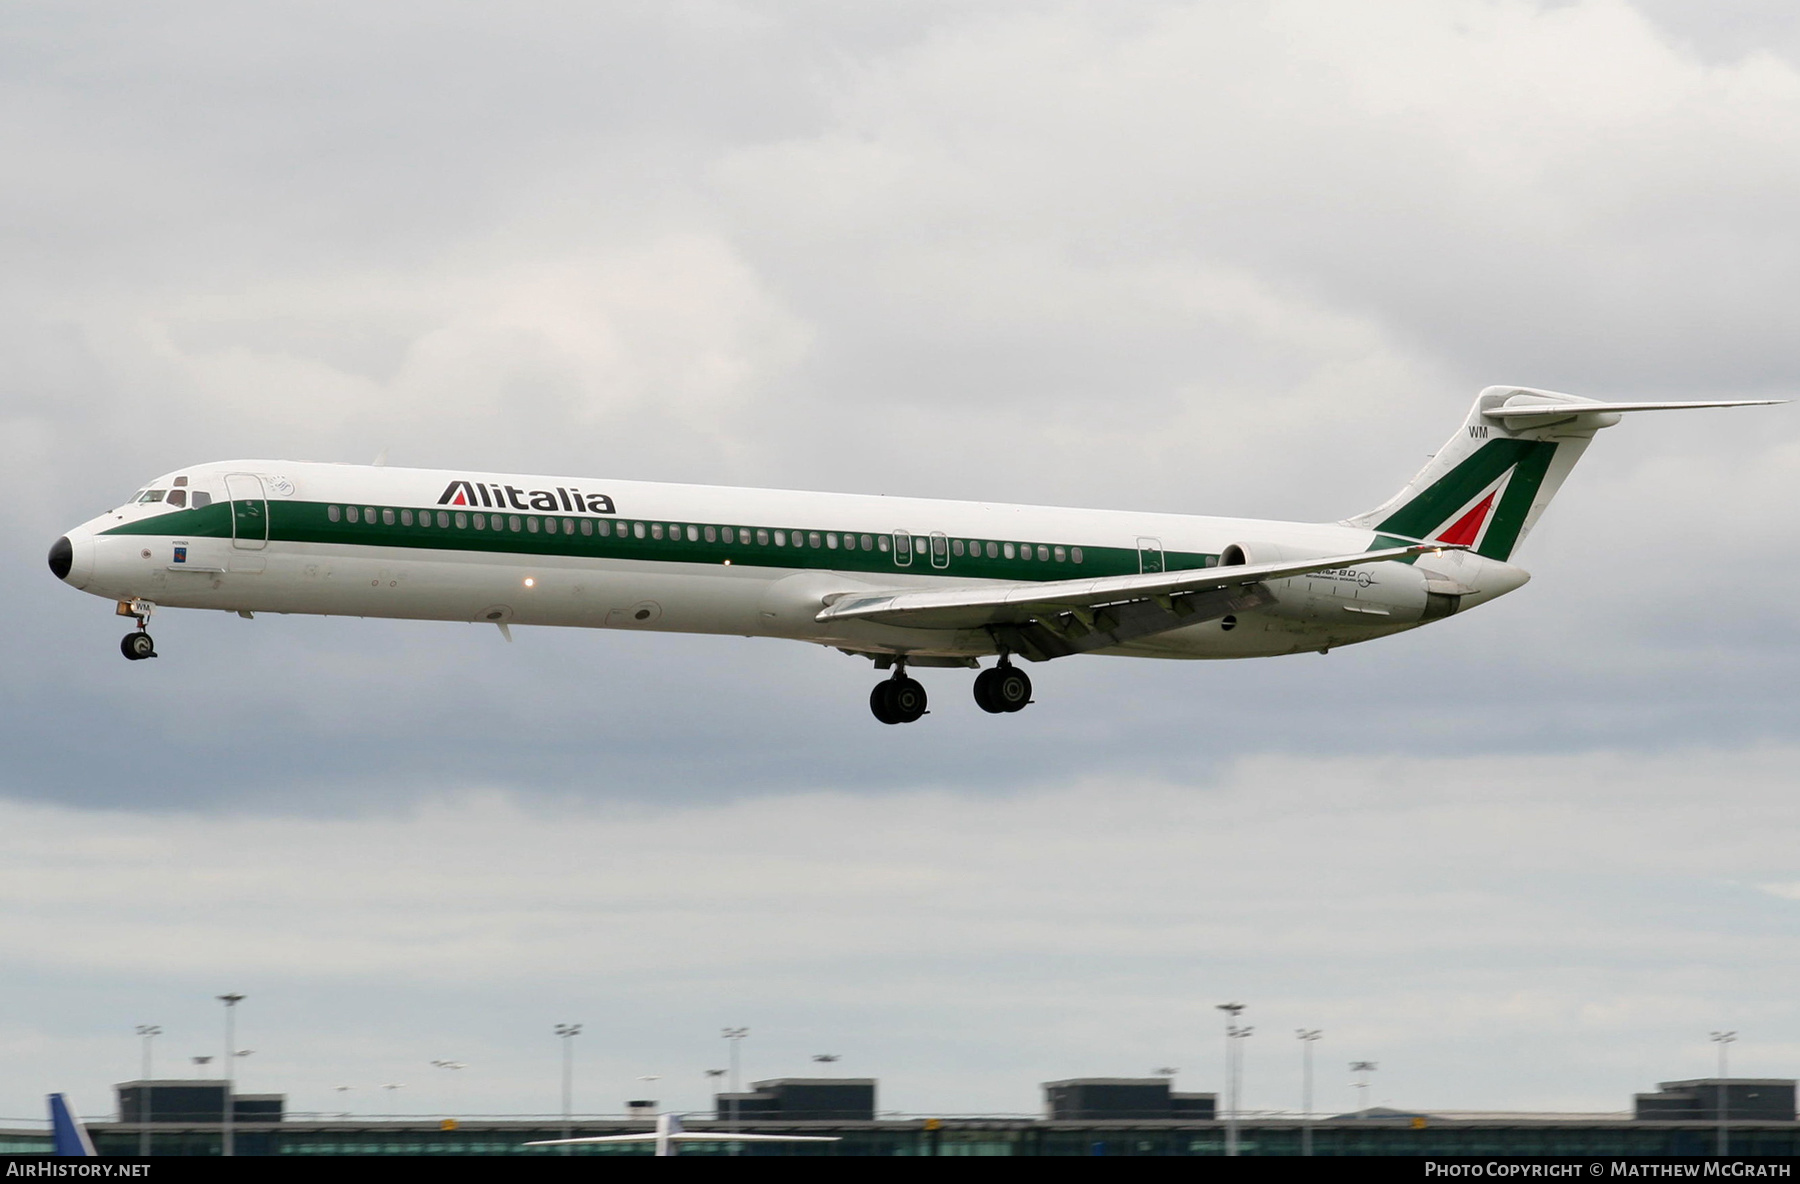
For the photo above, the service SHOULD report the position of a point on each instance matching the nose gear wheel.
(138, 646)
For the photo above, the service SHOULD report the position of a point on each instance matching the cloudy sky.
(1249, 259)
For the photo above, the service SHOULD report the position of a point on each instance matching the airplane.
(669, 1135)
(68, 1134)
(907, 583)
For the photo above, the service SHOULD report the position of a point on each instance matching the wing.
(1061, 617)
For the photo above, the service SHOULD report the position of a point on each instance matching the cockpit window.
(178, 497)
(202, 498)
(152, 495)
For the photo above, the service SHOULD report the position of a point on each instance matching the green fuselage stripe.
(310, 522)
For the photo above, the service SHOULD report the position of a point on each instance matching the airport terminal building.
(1082, 1116)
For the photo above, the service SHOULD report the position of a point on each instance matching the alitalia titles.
(502, 497)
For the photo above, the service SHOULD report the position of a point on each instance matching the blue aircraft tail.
(71, 1136)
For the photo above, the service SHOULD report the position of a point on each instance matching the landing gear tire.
(137, 646)
(898, 700)
(1002, 689)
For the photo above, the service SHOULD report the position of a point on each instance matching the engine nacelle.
(1370, 594)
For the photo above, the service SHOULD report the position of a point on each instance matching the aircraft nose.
(72, 559)
(62, 558)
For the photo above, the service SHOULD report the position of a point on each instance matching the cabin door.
(249, 511)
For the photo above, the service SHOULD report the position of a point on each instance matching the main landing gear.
(1003, 688)
(901, 700)
(897, 700)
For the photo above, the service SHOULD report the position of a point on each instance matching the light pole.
(1723, 1040)
(567, 1033)
(712, 1086)
(149, 1032)
(1234, 1033)
(1307, 1037)
(1362, 1086)
(456, 1092)
(230, 1001)
(734, 1037)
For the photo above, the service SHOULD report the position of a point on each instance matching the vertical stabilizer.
(69, 1136)
(1487, 486)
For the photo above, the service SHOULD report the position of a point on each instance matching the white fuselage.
(294, 537)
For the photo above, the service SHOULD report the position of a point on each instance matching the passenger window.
(694, 534)
(406, 517)
(956, 547)
(369, 515)
(1061, 554)
(993, 551)
(1043, 553)
(637, 530)
(333, 513)
(729, 535)
(762, 538)
(350, 513)
(780, 537)
(202, 498)
(443, 519)
(481, 522)
(712, 535)
(462, 520)
(812, 540)
(178, 497)
(387, 517)
(531, 525)
(1075, 554)
(1008, 548)
(881, 542)
(849, 542)
(656, 530)
(605, 528)
(512, 520)
(865, 542)
(587, 526)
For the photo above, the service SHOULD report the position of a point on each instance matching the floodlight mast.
(1723, 1040)
(1234, 1057)
(149, 1032)
(568, 1032)
(1307, 1037)
(230, 1000)
(734, 1037)
(1362, 1086)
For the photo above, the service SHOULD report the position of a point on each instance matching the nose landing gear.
(1003, 688)
(897, 700)
(137, 646)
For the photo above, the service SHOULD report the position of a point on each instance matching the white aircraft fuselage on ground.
(904, 581)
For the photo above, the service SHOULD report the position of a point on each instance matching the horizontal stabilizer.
(1537, 410)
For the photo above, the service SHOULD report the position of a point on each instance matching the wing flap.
(977, 605)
